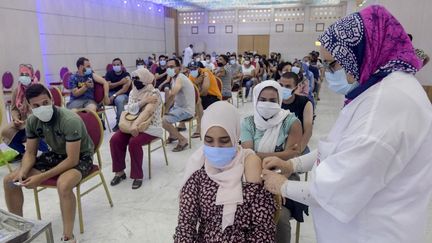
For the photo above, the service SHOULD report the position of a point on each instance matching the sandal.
(181, 129)
(180, 148)
(170, 140)
(196, 135)
(137, 183)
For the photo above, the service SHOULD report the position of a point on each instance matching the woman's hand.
(17, 122)
(273, 181)
(275, 163)
(134, 130)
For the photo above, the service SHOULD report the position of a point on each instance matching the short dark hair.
(35, 90)
(81, 61)
(176, 61)
(118, 59)
(410, 36)
(282, 65)
(139, 61)
(225, 57)
(162, 56)
(191, 46)
(234, 55)
(291, 75)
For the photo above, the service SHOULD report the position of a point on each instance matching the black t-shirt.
(297, 107)
(112, 77)
(160, 70)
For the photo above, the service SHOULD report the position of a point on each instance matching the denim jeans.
(120, 101)
(18, 140)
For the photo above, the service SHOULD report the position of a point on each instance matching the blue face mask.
(286, 93)
(117, 69)
(162, 62)
(338, 83)
(219, 157)
(88, 71)
(171, 72)
(194, 73)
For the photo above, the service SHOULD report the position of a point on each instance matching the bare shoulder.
(253, 169)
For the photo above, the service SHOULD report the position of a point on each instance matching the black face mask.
(220, 64)
(138, 84)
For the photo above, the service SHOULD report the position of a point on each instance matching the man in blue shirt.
(82, 86)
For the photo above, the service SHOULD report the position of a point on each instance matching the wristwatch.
(114, 95)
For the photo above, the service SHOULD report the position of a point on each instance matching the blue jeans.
(119, 102)
(19, 139)
(248, 84)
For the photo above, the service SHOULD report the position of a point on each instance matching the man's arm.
(158, 76)
(177, 87)
(29, 157)
(221, 72)
(78, 91)
(126, 82)
(205, 85)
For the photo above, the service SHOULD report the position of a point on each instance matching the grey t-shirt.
(226, 80)
(185, 98)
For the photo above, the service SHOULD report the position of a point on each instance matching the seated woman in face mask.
(14, 133)
(272, 131)
(222, 199)
(140, 124)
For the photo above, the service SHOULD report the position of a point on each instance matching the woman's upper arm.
(253, 169)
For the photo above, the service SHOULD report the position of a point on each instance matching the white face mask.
(268, 109)
(140, 66)
(295, 70)
(25, 80)
(44, 113)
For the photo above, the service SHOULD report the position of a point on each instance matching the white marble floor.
(149, 214)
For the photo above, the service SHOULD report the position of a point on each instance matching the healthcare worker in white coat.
(372, 175)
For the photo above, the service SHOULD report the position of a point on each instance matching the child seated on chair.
(140, 124)
(70, 158)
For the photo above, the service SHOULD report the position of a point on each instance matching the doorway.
(258, 43)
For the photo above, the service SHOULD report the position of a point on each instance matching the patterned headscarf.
(370, 45)
(20, 96)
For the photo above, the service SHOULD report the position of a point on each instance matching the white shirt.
(188, 53)
(247, 71)
(372, 179)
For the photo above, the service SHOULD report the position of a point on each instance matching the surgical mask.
(295, 70)
(256, 59)
(267, 109)
(171, 72)
(208, 61)
(25, 80)
(219, 157)
(88, 71)
(197, 59)
(232, 62)
(194, 73)
(117, 69)
(44, 113)
(162, 62)
(286, 93)
(338, 82)
(246, 62)
(138, 84)
(140, 66)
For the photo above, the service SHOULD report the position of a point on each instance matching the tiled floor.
(150, 213)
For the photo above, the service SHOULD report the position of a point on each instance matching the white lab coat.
(188, 53)
(372, 180)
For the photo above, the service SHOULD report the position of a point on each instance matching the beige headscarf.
(146, 77)
(229, 179)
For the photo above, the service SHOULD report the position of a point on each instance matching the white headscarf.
(271, 126)
(229, 179)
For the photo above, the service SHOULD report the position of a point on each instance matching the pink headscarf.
(20, 96)
(370, 45)
(230, 192)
